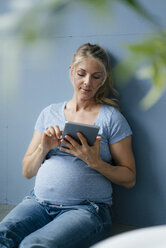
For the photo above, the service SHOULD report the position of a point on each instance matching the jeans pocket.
(102, 211)
(95, 206)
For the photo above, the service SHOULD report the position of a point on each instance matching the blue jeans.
(41, 225)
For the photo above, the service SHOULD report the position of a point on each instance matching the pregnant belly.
(69, 180)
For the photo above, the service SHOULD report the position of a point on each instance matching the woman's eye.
(81, 75)
(96, 77)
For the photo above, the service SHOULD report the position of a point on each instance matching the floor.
(116, 229)
(4, 210)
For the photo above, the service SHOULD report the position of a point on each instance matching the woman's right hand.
(51, 138)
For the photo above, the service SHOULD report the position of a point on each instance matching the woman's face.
(87, 77)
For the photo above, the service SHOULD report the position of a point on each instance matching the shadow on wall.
(140, 206)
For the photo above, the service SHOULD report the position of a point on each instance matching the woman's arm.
(34, 156)
(38, 149)
(124, 173)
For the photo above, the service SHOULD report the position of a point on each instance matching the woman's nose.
(87, 80)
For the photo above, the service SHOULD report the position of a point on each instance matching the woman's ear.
(70, 71)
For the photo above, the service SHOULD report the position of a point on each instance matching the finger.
(62, 148)
(72, 141)
(97, 141)
(82, 139)
(67, 143)
(48, 133)
(58, 133)
(52, 130)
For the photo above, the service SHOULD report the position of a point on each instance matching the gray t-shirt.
(64, 178)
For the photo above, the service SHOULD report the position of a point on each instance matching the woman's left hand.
(89, 154)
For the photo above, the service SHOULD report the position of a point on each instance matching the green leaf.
(152, 97)
(151, 56)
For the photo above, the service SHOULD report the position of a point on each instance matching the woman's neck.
(77, 105)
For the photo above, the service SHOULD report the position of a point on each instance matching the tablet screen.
(89, 131)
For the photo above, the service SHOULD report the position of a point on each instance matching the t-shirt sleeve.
(119, 127)
(39, 126)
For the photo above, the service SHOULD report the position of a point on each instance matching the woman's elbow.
(131, 183)
(26, 173)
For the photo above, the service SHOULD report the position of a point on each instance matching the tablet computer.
(89, 131)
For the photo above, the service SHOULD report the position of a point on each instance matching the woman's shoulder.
(109, 108)
(110, 111)
(54, 107)
(49, 115)
(112, 114)
(116, 124)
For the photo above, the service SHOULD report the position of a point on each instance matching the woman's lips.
(85, 90)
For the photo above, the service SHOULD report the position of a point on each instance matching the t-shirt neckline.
(97, 117)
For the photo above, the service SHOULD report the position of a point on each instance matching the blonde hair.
(99, 53)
